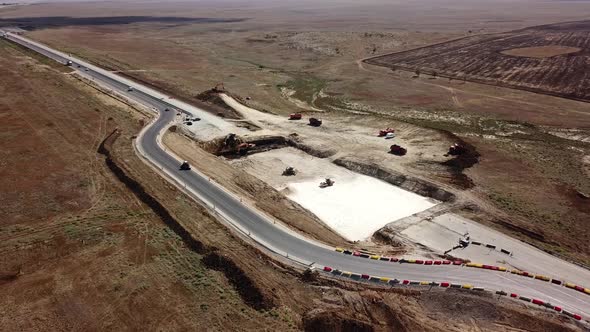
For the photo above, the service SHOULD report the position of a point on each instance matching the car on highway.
(130, 89)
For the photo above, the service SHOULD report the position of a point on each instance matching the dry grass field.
(85, 251)
(89, 254)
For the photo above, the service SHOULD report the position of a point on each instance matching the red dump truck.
(295, 116)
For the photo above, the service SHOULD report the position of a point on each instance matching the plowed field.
(556, 61)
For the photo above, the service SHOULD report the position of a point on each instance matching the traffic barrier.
(375, 279)
(414, 282)
(567, 313)
(538, 302)
(327, 268)
(502, 293)
(457, 263)
(411, 261)
(394, 260)
(339, 249)
(427, 262)
(374, 257)
(444, 284)
(587, 290)
(577, 317)
(579, 288)
(355, 276)
(475, 243)
(490, 246)
(403, 260)
(446, 262)
(437, 262)
(435, 284)
(542, 277)
(467, 286)
(424, 283)
(558, 309)
(386, 259)
(346, 274)
(455, 286)
(480, 289)
(356, 253)
(364, 255)
(504, 251)
(419, 261)
(405, 282)
(365, 276)
(569, 285)
(501, 268)
(524, 298)
(347, 252)
(336, 272)
(549, 306)
(513, 295)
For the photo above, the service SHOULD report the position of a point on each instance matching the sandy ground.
(355, 207)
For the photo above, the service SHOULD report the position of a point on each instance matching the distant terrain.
(552, 59)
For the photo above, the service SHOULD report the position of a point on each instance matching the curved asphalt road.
(277, 238)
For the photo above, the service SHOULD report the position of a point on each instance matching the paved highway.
(277, 238)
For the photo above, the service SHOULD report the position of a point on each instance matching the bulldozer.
(289, 171)
(328, 183)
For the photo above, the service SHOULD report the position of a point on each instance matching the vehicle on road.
(130, 89)
(185, 166)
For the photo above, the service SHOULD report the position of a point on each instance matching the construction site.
(437, 201)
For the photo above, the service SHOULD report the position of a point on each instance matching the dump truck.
(397, 150)
(315, 122)
(328, 183)
(185, 166)
(295, 116)
(384, 132)
(289, 171)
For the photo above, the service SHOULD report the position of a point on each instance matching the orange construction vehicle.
(385, 131)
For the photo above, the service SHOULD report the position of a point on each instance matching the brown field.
(541, 51)
(82, 251)
(88, 251)
(491, 59)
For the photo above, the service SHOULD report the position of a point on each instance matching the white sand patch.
(358, 205)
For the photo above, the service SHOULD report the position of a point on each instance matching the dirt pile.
(211, 98)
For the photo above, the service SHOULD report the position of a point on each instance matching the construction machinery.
(397, 150)
(243, 148)
(289, 171)
(457, 149)
(185, 166)
(384, 132)
(328, 183)
(295, 116)
(315, 122)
